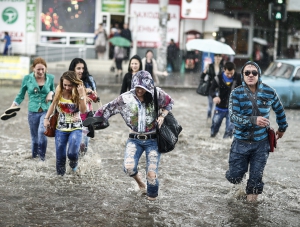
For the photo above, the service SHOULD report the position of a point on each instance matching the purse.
(203, 88)
(50, 130)
(167, 134)
(272, 139)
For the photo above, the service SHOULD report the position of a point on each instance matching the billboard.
(14, 67)
(147, 23)
(194, 9)
(68, 16)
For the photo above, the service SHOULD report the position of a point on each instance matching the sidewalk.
(104, 78)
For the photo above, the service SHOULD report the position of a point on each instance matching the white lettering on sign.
(30, 15)
(147, 23)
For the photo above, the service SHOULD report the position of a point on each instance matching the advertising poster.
(194, 9)
(14, 67)
(13, 15)
(68, 16)
(147, 23)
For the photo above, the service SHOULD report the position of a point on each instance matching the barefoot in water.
(140, 183)
(252, 198)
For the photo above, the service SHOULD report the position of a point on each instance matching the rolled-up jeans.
(244, 154)
(67, 144)
(133, 151)
(37, 129)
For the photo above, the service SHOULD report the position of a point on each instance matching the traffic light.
(277, 10)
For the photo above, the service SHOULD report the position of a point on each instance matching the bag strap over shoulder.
(155, 102)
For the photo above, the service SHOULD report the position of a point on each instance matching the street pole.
(276, 39)
(162, 46)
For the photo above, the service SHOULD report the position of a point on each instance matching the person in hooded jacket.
(250, 146)
(137, 109)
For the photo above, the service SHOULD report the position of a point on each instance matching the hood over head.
(144, 80)
(258, 70)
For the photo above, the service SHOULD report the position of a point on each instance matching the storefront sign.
(13, 19)
(14, 67)
(30, 15)
(194, 9)
(146, 24)
(113, 6)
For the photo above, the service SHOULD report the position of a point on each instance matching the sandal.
(12, 109)
(5, 117)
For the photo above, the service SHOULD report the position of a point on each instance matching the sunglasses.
(254, 73)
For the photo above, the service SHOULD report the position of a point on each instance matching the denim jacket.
(37, 96)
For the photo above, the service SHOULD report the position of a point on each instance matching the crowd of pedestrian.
(230, 95)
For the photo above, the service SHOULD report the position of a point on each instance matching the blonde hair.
(75, 81)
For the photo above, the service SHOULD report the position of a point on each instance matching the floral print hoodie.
(137, 116)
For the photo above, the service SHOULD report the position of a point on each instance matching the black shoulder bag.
(167, 134)
(271, 132)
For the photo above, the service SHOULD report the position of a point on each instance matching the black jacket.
(211, 74)
(219, 88)
(126, 84)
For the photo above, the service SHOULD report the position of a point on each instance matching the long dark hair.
(137, 58)
(148, 99)
(85, 74)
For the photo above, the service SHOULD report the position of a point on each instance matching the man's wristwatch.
(163, 115)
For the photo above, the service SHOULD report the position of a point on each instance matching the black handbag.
(203, 88)
(167, 134)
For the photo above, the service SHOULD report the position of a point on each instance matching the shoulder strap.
(217, 80)
(155, 102)
(254, 104)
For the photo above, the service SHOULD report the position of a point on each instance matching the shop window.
(81, 41)
(242, 41)
(53, 40)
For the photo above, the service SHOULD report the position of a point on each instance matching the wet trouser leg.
(134, 150)
(67, 144)
(243, 154)
(37, 129)
(210, 106)
(229, 127)
(216, 122)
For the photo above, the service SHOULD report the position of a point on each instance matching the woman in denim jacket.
(137, 109)
(39, 86)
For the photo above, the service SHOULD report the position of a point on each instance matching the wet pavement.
(193, 189)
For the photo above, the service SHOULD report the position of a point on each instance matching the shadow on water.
(193, 188)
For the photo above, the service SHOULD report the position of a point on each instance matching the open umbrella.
(120, 41)
(260, 41)
(210, 46)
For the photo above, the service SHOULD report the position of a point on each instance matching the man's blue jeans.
(67, 144)
(133, 151)
(244, 154)
(37, 129)
(217, 121)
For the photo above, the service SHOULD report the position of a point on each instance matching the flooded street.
(193, 187)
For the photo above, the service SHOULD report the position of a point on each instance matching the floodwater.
(193, 188)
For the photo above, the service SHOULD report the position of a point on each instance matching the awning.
(215, 21)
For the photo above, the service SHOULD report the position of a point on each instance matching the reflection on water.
(193, 192)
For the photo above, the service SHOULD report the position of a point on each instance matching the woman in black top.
(135, 65)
